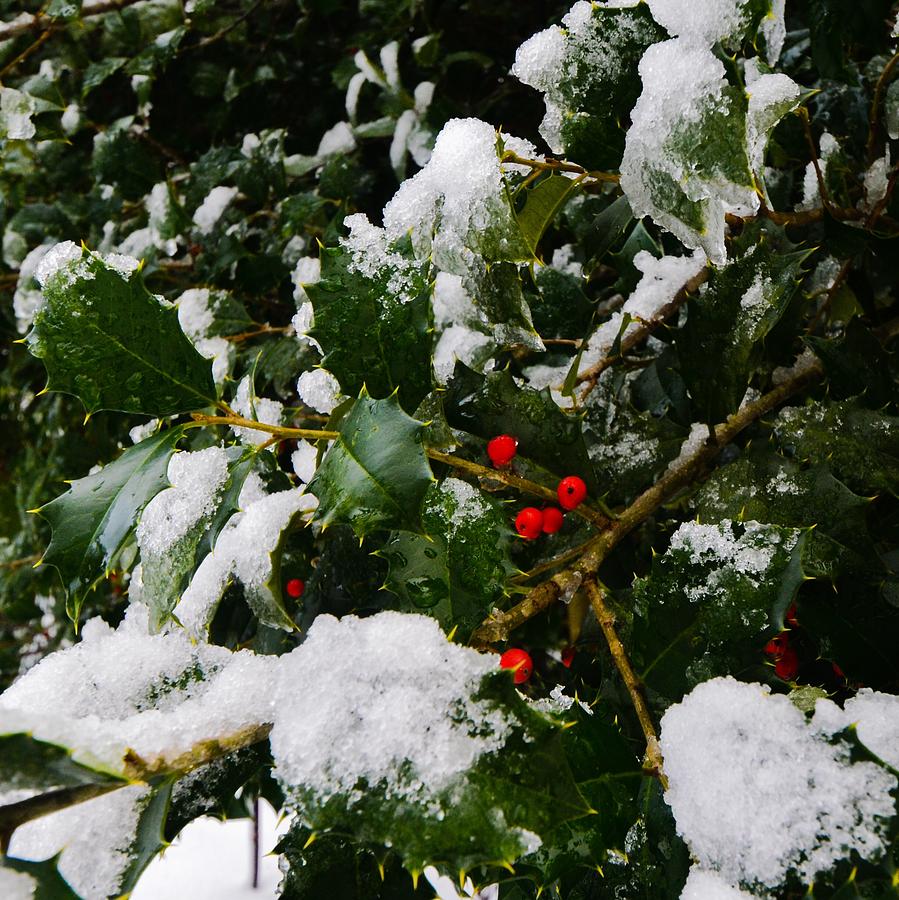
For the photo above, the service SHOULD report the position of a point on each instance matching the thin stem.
(40, 22)
(810, 140)
(278, 431)
(213, 38)
(257, 332)
(499, 625)
(590, 377)
(31, 48)
(652, 761)
(558, 165)
(871, 145)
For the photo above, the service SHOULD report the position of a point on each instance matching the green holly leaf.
(46, 882)
(458, 571)
(375, 475)
(373, 326)
(608, 775)
(94, 518)
(590, 81)
(721, 344)
(333, 866)
(768, 488)
(165, 575)
(488, 405)
(542, 203)
(489, 812)
(860, 445)
(31, 766)
(498, 296)
(147, 839)
(108, 341)
(709, 600)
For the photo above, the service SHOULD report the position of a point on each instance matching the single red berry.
(529, 523)
(788, 665)
(552, 520)
(572, 492)
(568, 657)
(791, 616)
(838, 671)
(502, 450)
(520, 662)
(778, 646)
(295, 588)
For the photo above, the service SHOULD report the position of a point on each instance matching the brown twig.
(652, 761)
(590, 377)
(223, 32)
(40, 22)
(499, 624)
(871, 145)
(31, 48)
(559, 165)
(257, 332)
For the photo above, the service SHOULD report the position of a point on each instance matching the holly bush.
(471, 427)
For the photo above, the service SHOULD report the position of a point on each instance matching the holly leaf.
(768, 488)
(860, 445)
(542, 204)
(375, 475)
(489, 813)
(709, 599)
(92, 520)
(591, 82)
(458, 571)
(29, 766)
(165, 575)
(492, 404)
(720, 345)
(333, 866)
(107, 340)
(373, 327)
(46, 882)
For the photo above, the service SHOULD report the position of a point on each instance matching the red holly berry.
(552, 520)
(520, 662)
(788, 665)
(838, 671)
(295, 588)
(572, 492)
(502, 450)
(778, 646)
(568, 657)
(790, 616)
(529, 523)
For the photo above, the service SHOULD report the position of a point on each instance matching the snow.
(16, 110)
(811, 189)
(259, 409)
(660, 282)
(458, 342)
(142, 432)
(319, 390)
(372, 256)
(386, 700)
(304, 460)
(27, 299)
(563, 62)
(682, 82)
(794, 801)
(877, 181)
(876, 717)
(212, 860)
(308, 270)
(94, 838)
(195, 316)
(771, 96)
(456, 206)
(706, 22)
(446, 887)
(704, 885)
(337, 139)
(56, 258)
(213, 207)
(16, 885)
(154, 697)
(196, 481)
(71, 118)
(244, 550)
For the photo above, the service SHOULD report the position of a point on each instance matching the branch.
(644, 329)
(39, 22)
(870, 146)
(522, 484)
(498, 625)
(558, 165)
(652, 761)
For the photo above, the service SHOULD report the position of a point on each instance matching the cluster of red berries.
(785, 657)
(531, 522)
